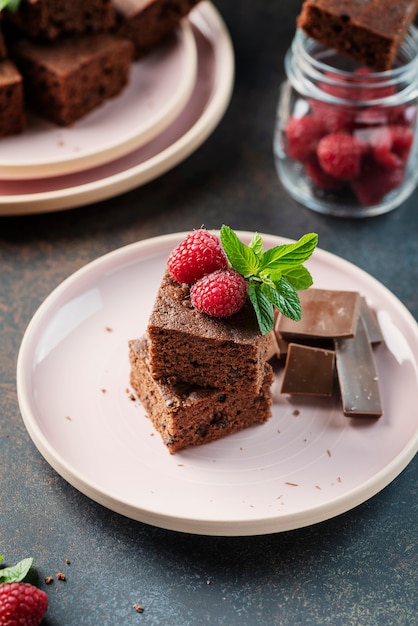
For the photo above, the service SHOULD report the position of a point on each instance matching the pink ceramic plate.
(159, 87)
(198, 118)
(297, 469)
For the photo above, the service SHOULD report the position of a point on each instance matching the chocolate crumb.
(48, 580)
(67, 417)
(60, 576)
(138, 608)
(109, 329)
(104, 390)
(329, 452)
(296, 412)
(291, 484)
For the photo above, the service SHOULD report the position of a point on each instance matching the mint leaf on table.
(274, 275)
(16, 573)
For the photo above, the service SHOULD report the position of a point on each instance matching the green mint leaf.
(256, 244)
(263, 308)
(12, 5)
(291, 254)
(298, 277)
(287, 300)
(16, 573)
(242, 258)
(1, 558)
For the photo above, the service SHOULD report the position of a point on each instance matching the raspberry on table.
(220, 294)
(302, 136)
(200, 253)
(340, 155)
(22, 604)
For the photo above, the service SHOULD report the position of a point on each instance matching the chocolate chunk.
(308, 371)
(357, 375)
(325, 313)
(370, 321)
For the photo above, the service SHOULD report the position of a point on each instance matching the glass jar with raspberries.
(345, 137)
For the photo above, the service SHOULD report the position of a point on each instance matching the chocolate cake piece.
(68, 78)
(12, 112)
(50, 19)
(369, 31)
(188, 415)
(147, 22)
(186, 345)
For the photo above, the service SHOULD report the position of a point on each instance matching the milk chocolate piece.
(370, 321)
(369, 31)
(308, 371)
(325, 313)
(357, 375)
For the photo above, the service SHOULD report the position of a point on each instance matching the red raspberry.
(340, 155)
(303, 135)
(219, 294)
(391, 145)
(320, 178)
(199, 254)
(22, 604)
(375, 181)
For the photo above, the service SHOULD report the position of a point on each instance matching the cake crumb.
(60, 576)
(138, 608)
(109, 329)
(329, 453)
(48, 580)
(318, 487)
(104, 390)
(67, 561)
(296, 412)
(67, 417)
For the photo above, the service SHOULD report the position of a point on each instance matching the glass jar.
(344, 141)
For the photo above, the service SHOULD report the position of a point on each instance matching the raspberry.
(199, 254)
(22, 604)
(391, 145)
(219, 294)
(340, 155)
(375, 182)
(303, 135)
(320, 178)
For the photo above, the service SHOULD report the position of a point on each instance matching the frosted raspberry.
(219, 294)
(22, 604)
(375, 182)
(340, 155)
(302, 136)
(391, 145)
(199, 254)
(320, 178)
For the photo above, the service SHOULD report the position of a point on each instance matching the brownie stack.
(199, 377)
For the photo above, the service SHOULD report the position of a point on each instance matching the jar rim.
(308, 73)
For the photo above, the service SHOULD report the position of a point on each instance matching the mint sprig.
(274, 275)
(16, 573)
(12, 5)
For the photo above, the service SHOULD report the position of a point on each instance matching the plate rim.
(125, 180)
(189, 524)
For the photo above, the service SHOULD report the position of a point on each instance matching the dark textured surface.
(357, 569)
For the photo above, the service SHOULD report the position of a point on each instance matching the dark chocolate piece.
(370, 320)
(369, 31)
(325, 313)
(357, 375)
(308, 371)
